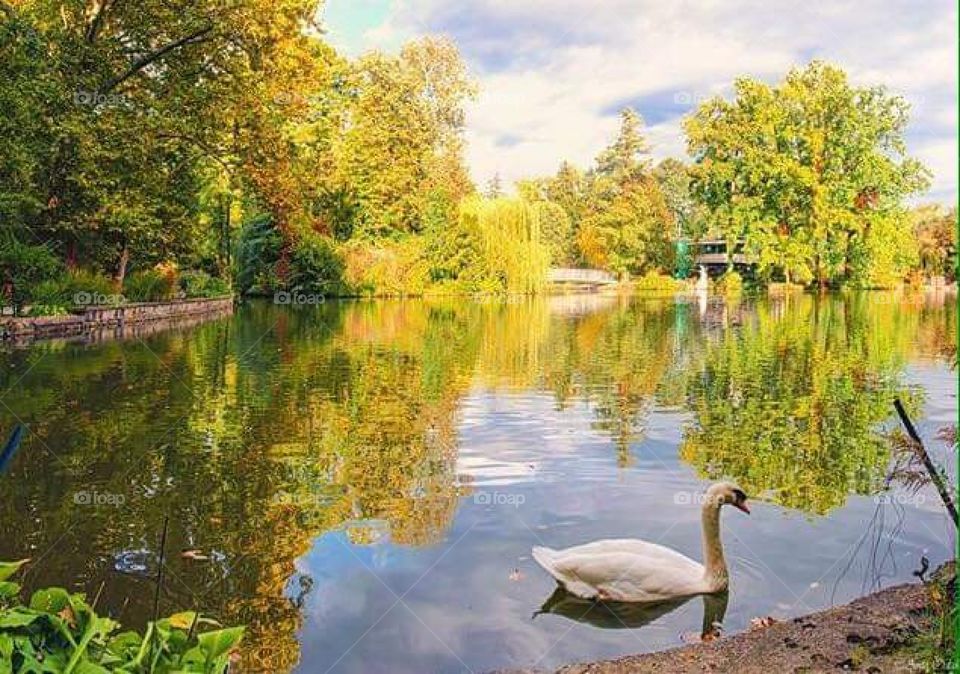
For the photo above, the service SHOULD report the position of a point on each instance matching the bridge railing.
(586, 276)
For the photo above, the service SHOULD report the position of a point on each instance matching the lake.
(360, 483)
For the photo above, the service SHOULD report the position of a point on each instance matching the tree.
(626, 225)
(673, 177)
(565, 197)
(626, 157)
(568, 188)
(401, 156)
(131, 102)
(810, 173)
(935, 229)
(494, 187)
(628, 230)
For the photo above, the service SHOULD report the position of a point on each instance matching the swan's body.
(638, 571)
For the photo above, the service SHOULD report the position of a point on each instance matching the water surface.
(361, 482)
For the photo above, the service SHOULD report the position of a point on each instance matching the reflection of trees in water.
(614, 358)
(793, 403)
(620, 359)
(259, 434)
(255, 436)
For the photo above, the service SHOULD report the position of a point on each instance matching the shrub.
(49, 298)
(168, 270)
(22, 267)
(149, 285)
(730, 284)
(201, 284)
(315, 267)
(83, 288)
(654, 281)
(387, 268)
(59, 631)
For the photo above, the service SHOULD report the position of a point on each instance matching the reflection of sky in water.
(459, 604)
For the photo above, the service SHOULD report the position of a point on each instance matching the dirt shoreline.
(870, 634)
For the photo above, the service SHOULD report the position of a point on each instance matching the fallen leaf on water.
(515, 575)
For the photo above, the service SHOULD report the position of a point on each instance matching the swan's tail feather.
(545, 558)
(549, 559)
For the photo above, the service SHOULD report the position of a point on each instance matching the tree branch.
(146, 60)
(935, 476)
(94, 28)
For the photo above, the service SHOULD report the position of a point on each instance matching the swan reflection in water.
(632, 615)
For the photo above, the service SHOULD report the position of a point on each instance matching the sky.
(553, 74)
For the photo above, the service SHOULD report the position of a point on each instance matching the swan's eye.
(739, 496)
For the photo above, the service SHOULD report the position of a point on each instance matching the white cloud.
(553, 72)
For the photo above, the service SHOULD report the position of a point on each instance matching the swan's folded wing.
(631, 576)
(657, 554)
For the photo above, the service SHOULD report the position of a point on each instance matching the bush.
(654, 281)
(258, 249)
(149, 285)
(59, 631)
(77, 288)
(315, 267)
(84, 288)
(201, 284)
(49, 298)
(388, 268)
(730, 284)
(22, 267)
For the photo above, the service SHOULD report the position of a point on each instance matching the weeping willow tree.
(497, 246)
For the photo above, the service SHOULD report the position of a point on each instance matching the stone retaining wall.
(95, 323)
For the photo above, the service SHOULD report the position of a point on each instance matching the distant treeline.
(155, 149)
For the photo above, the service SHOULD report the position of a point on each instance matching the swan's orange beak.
(742, 505)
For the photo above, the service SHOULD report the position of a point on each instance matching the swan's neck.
(715, 567)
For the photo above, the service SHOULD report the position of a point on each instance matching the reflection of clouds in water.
(517, 439)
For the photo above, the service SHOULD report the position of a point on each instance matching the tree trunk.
(821, 275)
(122, 267)
(225, 235)
(71, 261)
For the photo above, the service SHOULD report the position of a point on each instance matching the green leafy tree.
(811, 173)
(673, 177)
(627, 156)
(935, 229)
(627, 225)
(402, 152)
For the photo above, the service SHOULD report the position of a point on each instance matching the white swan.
(634, 570)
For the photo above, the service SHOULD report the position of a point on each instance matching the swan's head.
(727, 493)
